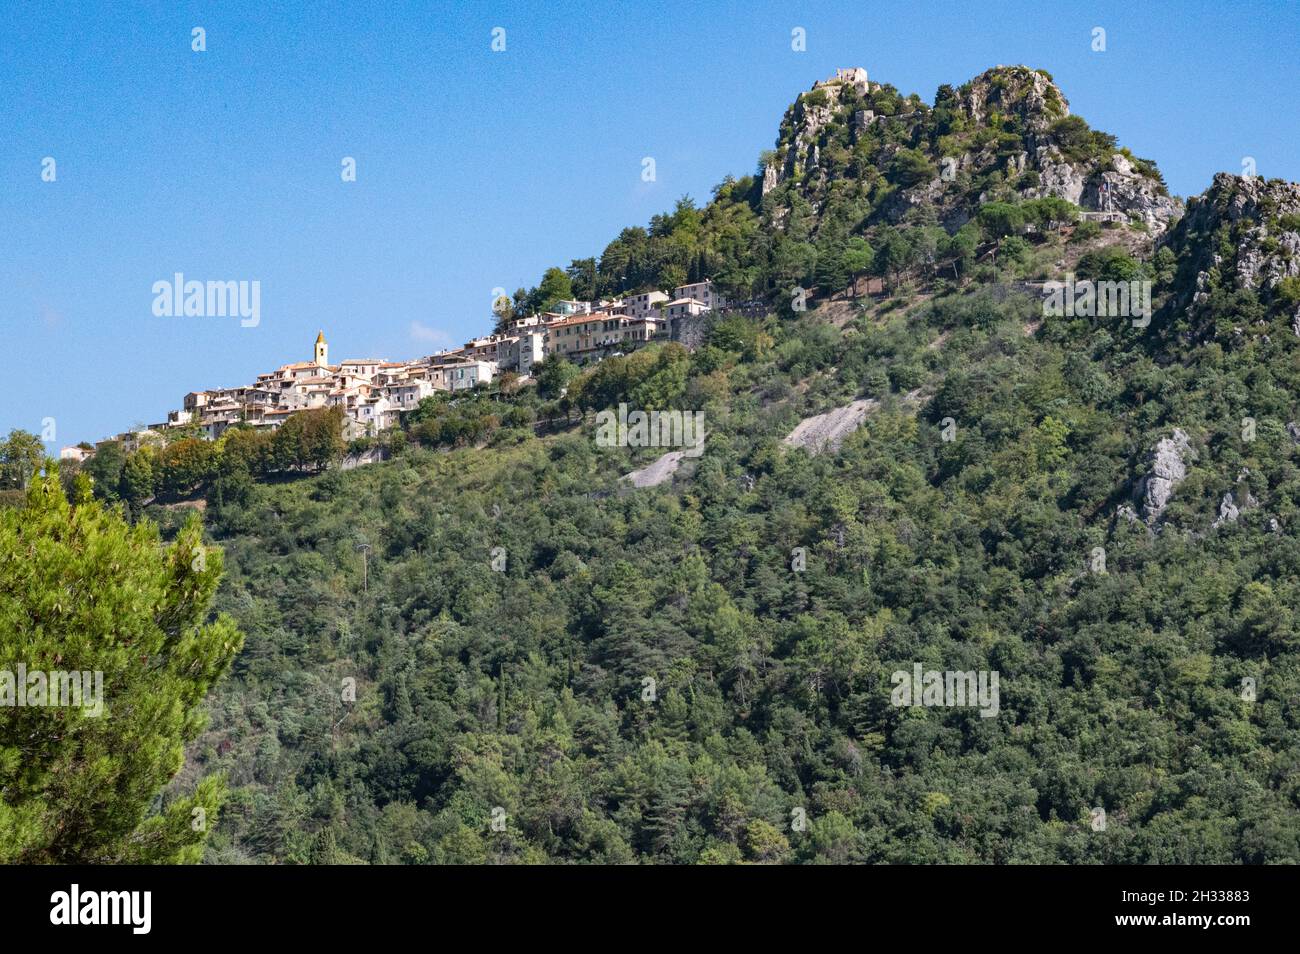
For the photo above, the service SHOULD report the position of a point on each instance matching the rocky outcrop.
(663, 468)
(827, 432)
(1116, 186)
(1228, 511)
(1014, 91)
(1243, 233)
(839, 114)
(1111, 184)
(1168, 468)
(1123, 189)
(1059, 178)
(1232, 505)
(1127, 513)
(805, 120)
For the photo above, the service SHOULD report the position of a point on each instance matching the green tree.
(185, 466)
(857, 259)
(960, 249)
(503, 313)
(21, 454)
(138, 478)
(322, 436)
(911, 167)
(82, 590)
(553, 376)
(555, 287)
(583, 278)
(1000, 218)
(895, 255)
(105, 469)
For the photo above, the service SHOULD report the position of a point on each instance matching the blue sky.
(478, 169)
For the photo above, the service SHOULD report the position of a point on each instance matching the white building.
(703, 292)
(519, 353)
(568, 308)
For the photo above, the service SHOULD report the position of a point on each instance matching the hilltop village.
(373, 392)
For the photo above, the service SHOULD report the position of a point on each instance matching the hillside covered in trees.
(492, 648)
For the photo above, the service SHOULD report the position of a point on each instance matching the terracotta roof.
(582, 319)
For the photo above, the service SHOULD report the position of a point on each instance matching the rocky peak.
(1006, 135)
(1243, 233)
(1029, 95)
(811, 113)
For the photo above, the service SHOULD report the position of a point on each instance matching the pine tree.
(82, 590)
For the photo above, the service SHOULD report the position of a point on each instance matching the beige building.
(586, 335)
(465, 374)
(685, 307)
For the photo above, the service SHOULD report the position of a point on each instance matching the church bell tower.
(322, 350)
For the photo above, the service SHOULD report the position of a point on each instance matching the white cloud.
(422, 332)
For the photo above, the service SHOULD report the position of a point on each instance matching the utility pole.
(365, 565)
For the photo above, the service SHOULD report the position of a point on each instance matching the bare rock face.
(660, 470)
(1123, 189)
(1168, 468)
(1232, 505)
(1119, 188)
(826, 432)
(1228, 511)
(665, 467)
(1059, 178)
(901, 202)
(1029, 95)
